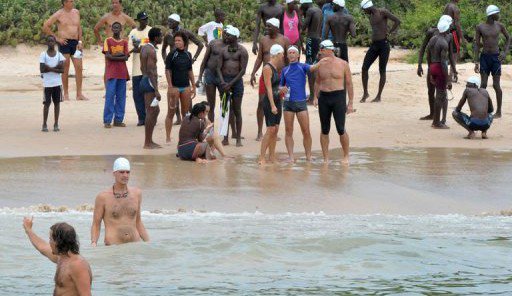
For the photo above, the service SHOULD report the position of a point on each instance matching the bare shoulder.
(135, 190)
(103, 195)
(79, 263)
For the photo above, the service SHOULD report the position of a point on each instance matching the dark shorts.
(52, 94)
(379, 49)
(237, 90)
(272, 119)
(210, 78)
(342, 51)
(472, 124)
(295, 106)
(490, 64)
(312, 49)
(69, 48)
(186, 151)
(438, 76)
(332, 104)
(145, 85)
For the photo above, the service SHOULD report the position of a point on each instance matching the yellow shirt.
(143, 37)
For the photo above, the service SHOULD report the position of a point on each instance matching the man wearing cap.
(69, 39)
(313, 25)
(327, 11)
(481, 108)
(491, 58)
(273, 37)
(438, 55)
(270, 9)
(380, 46)
(119, 208)
(334, 80)
(340, 25)
(431, 32)
(138, 38)
(457, 36)
(174, 22)
(230, 70)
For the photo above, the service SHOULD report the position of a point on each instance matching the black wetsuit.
(332, 103)
(379, 49)
(272, 119)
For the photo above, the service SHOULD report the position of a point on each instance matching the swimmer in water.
(119, 208)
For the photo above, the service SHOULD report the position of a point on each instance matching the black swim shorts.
(52, 94)
(272, 119)
(379, 49)
(342, 51)
(332, 103)
(69, 48)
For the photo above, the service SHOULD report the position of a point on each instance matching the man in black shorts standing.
(313, 25)
(51, 65)
(380, 46)
(491, 58)
(340, 24)
(334, 79)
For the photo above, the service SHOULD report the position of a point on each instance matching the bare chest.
(69, 19)
(122, 208)
(272, 11)
(490, 31)
(62, 275)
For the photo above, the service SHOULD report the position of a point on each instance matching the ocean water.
(398, 222)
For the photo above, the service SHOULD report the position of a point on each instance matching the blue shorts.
(186, 150)
(145, 85)
(295, 106)
(490, 64)
(237, 89)
(210, 78)
(473, 124)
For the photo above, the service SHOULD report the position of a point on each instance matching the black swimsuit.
(272, 119)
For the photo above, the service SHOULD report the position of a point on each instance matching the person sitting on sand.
(196, 140)
(73, 275)
(481, 108)
(51, 65)
(119, 208)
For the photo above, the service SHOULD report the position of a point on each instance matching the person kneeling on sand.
(481, 108)
(73, 275)
(196, 138)
(119, 208)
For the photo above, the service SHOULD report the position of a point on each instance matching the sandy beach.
(391, 124)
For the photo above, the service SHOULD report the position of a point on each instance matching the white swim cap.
(339, 2)
(293, 48)
(274, 22)
(306, 1)
(474, 80)
(492, 9)
(446, 18)
(365, 4)
(175, 17)
(232, 31)
(443, 26)
(276, 49)
(327, 44)
(121, 164)
(289, 1)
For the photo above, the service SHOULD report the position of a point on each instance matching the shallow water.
(397, 222)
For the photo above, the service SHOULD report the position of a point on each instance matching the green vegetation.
(21, 20)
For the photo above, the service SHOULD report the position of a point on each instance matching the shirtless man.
(119, 208)
(340, 24)
(431, 32)
(313, 25)
(438, 55)
(230, 70)
(491, 58)
(333, 80)
(173, 22)
(149, 85)
(453, 10)
(273, 37)
(73, 275)
(69, 37)
(481, 108)
(266, 11)
(380, 46)
(115, 16)
(208, 70)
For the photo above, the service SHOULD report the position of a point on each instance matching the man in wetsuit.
(69, 38)
(266, 42)
(313, 25)
(333, 80)
(119, 208)
(453, 10)
(491, 58)
(266, 11)
(73, 275)
(481, 108)
(340, 24)
(230, 70)
(149, 85)
(438, 55)
(431, 32)
(380, 46)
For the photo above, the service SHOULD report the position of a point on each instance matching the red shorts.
(437, 75)
(261, 90)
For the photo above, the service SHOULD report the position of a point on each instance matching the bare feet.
(428, 117)
(376, 100)
(289, 160)
(177, 122)
(44, 128)
(152, 146)
(470, 136)
(440, 126)
(363, 100)
(234, 137)
(497, 115)
(65, 97)
(225, 142)
(201, 161)
(168, 141)
(259, 137)
(484, 135)
(81, 98)
(345, 161)
(261, 160)
(239, 142)
(56, 128)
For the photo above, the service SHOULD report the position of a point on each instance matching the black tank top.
(275, 81)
